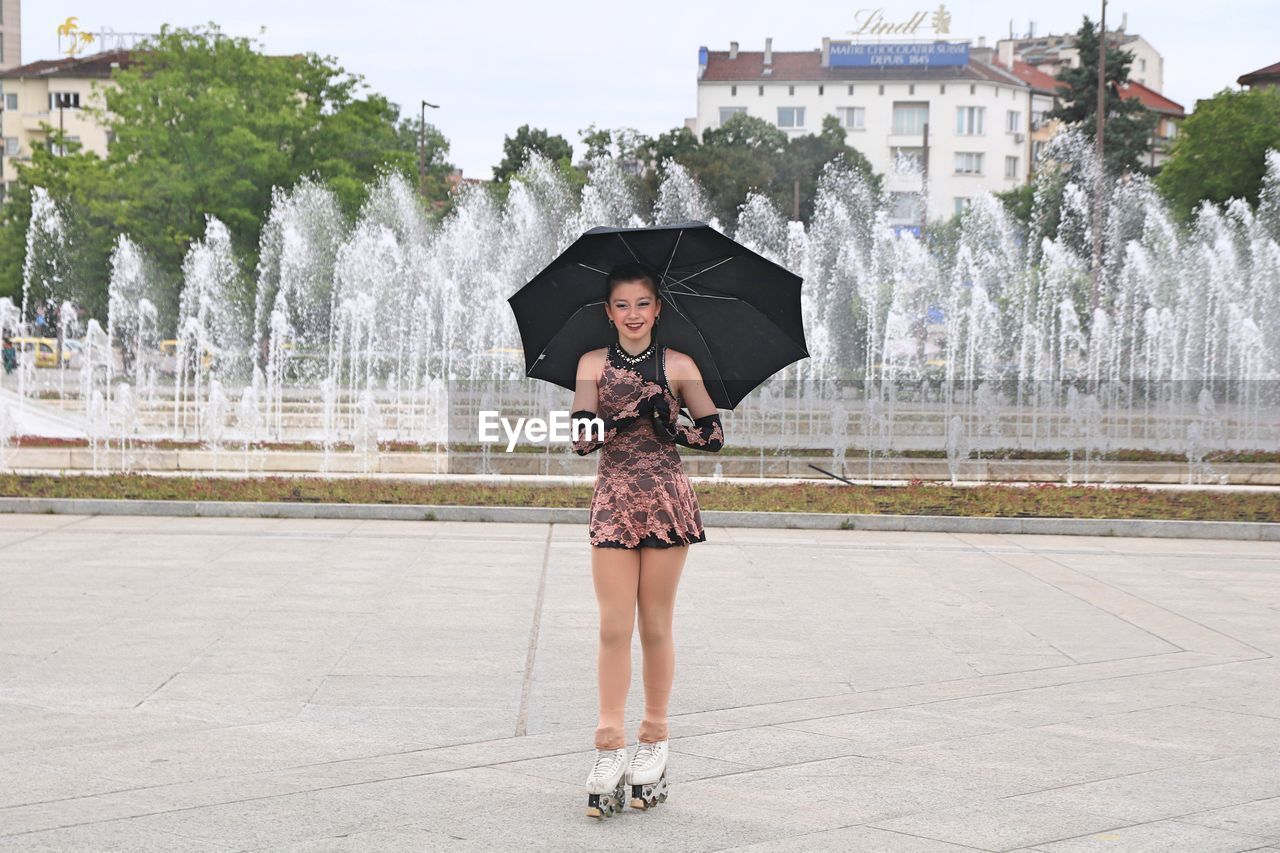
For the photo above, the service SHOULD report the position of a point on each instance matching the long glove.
(705, 433)
(588, 440)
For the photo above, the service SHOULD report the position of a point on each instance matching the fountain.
(393, 329)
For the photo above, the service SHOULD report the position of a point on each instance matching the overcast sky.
(493, 66)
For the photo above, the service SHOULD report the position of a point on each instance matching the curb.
(1165, 529)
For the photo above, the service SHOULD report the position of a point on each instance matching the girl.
(644, 515)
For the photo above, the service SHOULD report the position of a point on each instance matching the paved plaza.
(239, 684)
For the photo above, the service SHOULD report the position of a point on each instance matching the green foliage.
(1019, 203)
(748, 154)
(206, 124)
(1221, 149)
(516, 150)
(77, 181)
(1129, 124)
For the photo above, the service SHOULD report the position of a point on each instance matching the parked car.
(44, 351)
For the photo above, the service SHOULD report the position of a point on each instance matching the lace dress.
(642, 496)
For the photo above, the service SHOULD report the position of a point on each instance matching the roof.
(1035, 78)
(806, 67)
(1262, 75)
(90, 65)
(1039, 81)
(1152, 99)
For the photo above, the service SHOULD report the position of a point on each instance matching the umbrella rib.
(705, 346)
(708, 269)
(629, 249)
(672, 256)
(593, 269)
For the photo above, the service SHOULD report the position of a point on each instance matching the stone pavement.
(309, 685)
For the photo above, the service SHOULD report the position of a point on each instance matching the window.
(1037, 150)
(911, 88)
(1142, 65)
(66, 100)
(11, 100)
(882, 88)
(942, 88)
(968, 163)
(63, 150)
(1011, 167)
(850, 88)
(962, 204)
(727, 113)
(820, 90)
(969, 121)
(11, 146)
(907, 159)
(908, 206)
(762, 91)
(733, 91)
(1014, 124)
(1037, 119)
(973, 88)
(791, 90)
(790, 116)
(909, 118)
(853, 118)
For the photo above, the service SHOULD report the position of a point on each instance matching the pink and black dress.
(642, 497)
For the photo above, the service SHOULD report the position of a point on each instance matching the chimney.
(982, 53)
(733, 50)
(826, 53)
(768, 51)
(1124, 21)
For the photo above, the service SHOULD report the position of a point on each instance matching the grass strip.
(916, 498)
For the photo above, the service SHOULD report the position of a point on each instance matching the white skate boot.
(647, 775)
(605, 792)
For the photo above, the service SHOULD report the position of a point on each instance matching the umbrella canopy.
(737, 314)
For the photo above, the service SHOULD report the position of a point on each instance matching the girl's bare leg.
(659, 575)
(616, 573)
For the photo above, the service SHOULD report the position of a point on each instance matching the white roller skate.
(605, 792)
(647, 775)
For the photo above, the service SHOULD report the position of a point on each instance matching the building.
(1049, 53)
(1044, 97)
(53, 94)
(10, 34)
(942, 108)
(1262, 78)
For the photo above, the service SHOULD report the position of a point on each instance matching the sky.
(493, 66)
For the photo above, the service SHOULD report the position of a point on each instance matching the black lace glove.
(587, 439)
(705, 433)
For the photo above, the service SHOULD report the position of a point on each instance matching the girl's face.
(633, 308)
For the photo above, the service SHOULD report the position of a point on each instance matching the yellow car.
(169, 356)
(45, 350)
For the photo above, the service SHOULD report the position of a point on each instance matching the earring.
(610, 319)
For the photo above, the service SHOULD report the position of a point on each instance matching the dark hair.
(623, 273)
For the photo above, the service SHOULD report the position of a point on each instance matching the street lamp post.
(422, 149)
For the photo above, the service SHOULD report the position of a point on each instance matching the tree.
(206, 124)
(806, 156)
(437, 190)
(748, 154)
(1129, 124)
(516, 150)
(77, 180)
(1221, 149)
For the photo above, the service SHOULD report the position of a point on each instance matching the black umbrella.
(734, 312)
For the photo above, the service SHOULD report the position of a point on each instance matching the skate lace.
(647, 753)
(606, 764)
